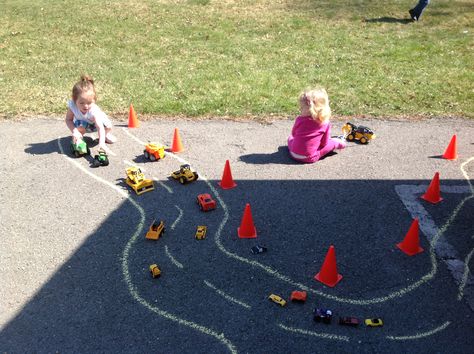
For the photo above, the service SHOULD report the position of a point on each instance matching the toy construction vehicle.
(137, 181)
(101, 159)
(353, 132)
(155, 231)
(201, 232)
(184, 174)
(155, 271)
(154, 151)
(80, 149)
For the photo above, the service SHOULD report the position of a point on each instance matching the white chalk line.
(276, 274)
(423, 334)
(284, 278)
(173, 260)
(314, 334)
(125, 264)
(178, 219)
(227, 297)
(168, 189)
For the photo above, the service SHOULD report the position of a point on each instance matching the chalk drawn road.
(212, 296)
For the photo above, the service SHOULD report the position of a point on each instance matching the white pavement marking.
(178, 219)
(125, 264)
(133, 137)
(130, 163)
(168, 189)
(227, 297)
(173, 260)
(314, 334)
(439, 245)
(423, 334)
(465, 275)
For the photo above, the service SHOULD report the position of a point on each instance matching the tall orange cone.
(432, 194)
(328, 274)
(227, 181)
(177, 145)
(451, 151)
(247, 228)
(132, 118)
(411, 243)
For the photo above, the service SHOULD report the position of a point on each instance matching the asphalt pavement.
(74, 264)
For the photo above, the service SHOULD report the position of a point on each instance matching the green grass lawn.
(238, 58)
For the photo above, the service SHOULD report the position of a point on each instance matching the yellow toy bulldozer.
(137, 181)
(184, 174)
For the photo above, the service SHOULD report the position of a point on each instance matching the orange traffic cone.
(132, 118)
(328, 274)
(177, 145)
(432, 194)
(247, 228)
(451, 151)
(411, 243)
(227, 182)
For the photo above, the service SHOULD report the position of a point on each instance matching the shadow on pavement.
(103, 299)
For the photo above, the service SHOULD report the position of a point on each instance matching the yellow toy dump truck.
(155, 271)
(184, 174)
(137, 181)
(154, 151)
(353, 132)
(156, 230)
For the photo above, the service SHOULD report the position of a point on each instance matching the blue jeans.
(418, 9)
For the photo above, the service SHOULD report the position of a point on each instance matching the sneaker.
(412, 15)
(340, 143)
(110, 138)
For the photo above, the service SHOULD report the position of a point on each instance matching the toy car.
(155, 271)
(322, 315)
(258, 249)
(136, 180)
(101, 159)
(154, 151)
(374, 322)
(155, 231)
(298, 296)
(277, 300)
(353, 132)
(80, 149)
(201, 232)
(348, 321)
(184, 174)
(206, 202)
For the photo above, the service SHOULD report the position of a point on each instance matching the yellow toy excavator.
(138, 182)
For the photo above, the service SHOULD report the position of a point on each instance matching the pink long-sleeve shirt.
(310, 139)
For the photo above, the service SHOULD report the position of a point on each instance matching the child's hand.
(106, 149)
(77, 136)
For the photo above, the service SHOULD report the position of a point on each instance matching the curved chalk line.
(395, 294)
(125, 266)
(178, 219)
(423, 334)
(314, 334)
(227, 297)
(173, 260)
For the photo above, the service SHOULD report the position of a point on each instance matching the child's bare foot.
(110, 138)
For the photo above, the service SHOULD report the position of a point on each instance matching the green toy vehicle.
(80, 149)
(101, 159)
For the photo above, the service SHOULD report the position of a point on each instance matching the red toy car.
(298, 296)
(206, 202)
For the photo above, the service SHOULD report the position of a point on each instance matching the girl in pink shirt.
(310, 137)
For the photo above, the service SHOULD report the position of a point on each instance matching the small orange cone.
(227, 182)
(247, 228)
(177, 145)
(411, 243)
(132, 118)
(451, 151)
(432, 194)
(328, 274)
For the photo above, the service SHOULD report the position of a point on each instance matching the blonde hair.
(317, 103)
(85, 84)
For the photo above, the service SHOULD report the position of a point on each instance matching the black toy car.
(101, 159)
